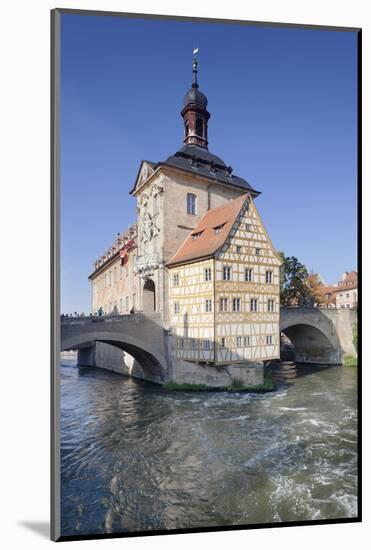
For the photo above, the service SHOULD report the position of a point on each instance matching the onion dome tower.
(195, 114)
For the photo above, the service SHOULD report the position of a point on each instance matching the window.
(270, 306)
(257, 251)
(248, 275)
(207, 344)
(208, 307)
(238, 249)
(176, 279)
(208, 274)
(155, 204)
(223, 304)
(248, 227)
(226, 273)
(223, 342)
(348, 305)
(346, 295)
(195, 236)
(191, 203)
(253, 304)
(176, 308)
(268, 277)
(246, 340)
(182, 343)
(239, 341)
(199, 127)
(269, 340)
(236, 304)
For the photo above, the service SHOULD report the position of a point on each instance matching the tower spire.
(195, 68)
(194, 112)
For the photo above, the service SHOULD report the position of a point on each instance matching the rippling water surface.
(137, 457)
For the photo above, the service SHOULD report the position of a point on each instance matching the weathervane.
(194, 68)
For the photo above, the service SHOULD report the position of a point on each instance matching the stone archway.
(311, 345)
(149, 296)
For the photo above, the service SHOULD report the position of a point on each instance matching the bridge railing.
(129, 317)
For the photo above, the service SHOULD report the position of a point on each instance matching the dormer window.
(191, 204)
(218, 229)
(195, 236)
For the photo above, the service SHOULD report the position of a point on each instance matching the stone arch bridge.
(101, 340)
(319, 336)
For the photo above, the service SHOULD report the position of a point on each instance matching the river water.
(137, 457)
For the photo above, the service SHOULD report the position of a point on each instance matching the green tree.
(294, 290)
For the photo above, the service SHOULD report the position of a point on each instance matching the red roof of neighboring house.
(203, 241)
(350, 282)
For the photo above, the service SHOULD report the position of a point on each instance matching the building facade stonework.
(220, 303)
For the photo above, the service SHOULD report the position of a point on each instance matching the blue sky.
(283, 106)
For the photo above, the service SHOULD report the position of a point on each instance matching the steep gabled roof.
(350, 282)
(203, 240)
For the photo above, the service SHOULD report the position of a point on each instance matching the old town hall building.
(199, 254)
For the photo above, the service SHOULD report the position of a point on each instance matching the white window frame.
(269, 277)
(227, 270)
(207, 274)
(236, 301)
(208, 305)
(254, 304)
(223, 304)
(249, 274)
(192, 204)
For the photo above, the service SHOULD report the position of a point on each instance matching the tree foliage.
(298, 287)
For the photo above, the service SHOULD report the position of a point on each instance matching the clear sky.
(283, 110)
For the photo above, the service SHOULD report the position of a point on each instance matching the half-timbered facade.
(224, 289)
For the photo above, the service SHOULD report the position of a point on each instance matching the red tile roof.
(203, 241)
(350, 282)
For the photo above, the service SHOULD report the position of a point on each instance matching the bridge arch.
(152, 359)
(313, 336)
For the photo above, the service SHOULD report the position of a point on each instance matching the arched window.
(186, 128)
(191, 204)
(199, 127)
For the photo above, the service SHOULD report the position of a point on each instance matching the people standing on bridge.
(100, 311)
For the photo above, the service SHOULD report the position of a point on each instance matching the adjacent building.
(198, 255)
(346, 291)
